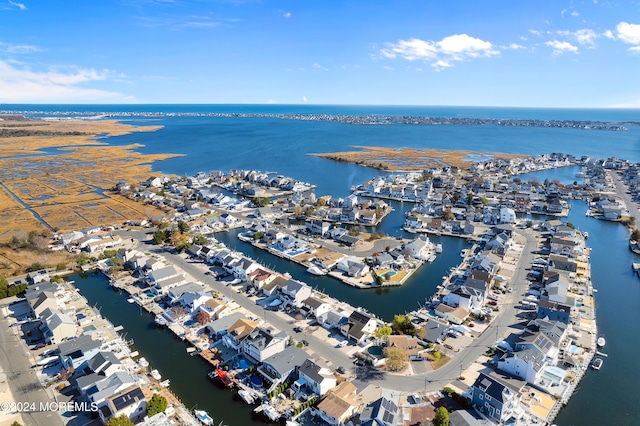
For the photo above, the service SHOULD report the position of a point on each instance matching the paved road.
(279, 320)
(25, 386)
(621, 191)
(433, 380)
(495, 331)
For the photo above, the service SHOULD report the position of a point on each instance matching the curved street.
(432, 380)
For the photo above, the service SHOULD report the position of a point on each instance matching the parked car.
(341, 370)
(38, 346)
(342, 344)
(304, 343)
(297, 329)
(492, 302)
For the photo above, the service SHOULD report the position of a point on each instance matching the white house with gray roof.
(318, 378)
(57, 326)
(279, 367)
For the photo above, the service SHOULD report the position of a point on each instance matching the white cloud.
(609, 34)
(563, 11)
(388, 68)
(632, 104)
(634, 49)
(441, 65)
(457, 47)
(317, 66)
(19, 84)
(17, 48)
(629, 33)
(304, 99)
(287, 14)
(560, 47)
(271, 101)
(535, 32)
(575, 13)
(20, 6)
(584, 36)
(513, 46)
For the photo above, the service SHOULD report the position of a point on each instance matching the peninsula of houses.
(301, 355)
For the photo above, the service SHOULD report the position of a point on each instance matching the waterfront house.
(162, 287)
(435, 330)
(295, 291)
(216, 308)
(280, 366)
(359, 326)
(497, 397)
(42, 301)
(218, 327)
(313, 375)
(526, 364)
(382, 260)
(103, 363)
(175, 293)
(469, 294)
(507, 215)
(57, 326)
(314, 306)
(38, 276)
(129, 402)
(554, 311)
(566, 247)
(339, 404)
(420, 248)
(192, 301)
(351, 241)
(74, 353)
(317, 226)
(368, 217)
(261, 343)
(455, 315)
(237, 332)
(259, 278)
(98, 389)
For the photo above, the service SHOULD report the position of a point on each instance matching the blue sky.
(542, 53)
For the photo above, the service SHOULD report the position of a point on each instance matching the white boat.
(246, 396)
(431, 258)
(156, 374)
(131, 300)
(203, 417)
(597, 363)
(47, 360)
(143, 362)
(314, 270)
(269, 411)
(438, 248)
(601, 342)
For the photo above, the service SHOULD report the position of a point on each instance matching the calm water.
(271, 144)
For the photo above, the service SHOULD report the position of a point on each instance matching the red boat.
(225, 378)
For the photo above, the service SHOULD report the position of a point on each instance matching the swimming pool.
(554, 374)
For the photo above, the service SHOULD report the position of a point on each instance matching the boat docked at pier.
(314, 270)
(247, 396)
(597, 364)
(601, 342)
(203, 417)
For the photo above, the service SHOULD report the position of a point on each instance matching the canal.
(602, 397)
(167, 354)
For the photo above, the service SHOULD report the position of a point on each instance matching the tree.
(159, 236)
(403, 325)
(258, 235)
(484, 201)
(441, 418)
(157, 405)
(203, 318)
(122, 420)
(61, 266)
(570, 225)
(261, 201)
(396, 358)
(635, 235)
(117, 264)
(383, 332)
(321, 202)
(183, 226)
(354, 231)
(448, 214)
(200, 240)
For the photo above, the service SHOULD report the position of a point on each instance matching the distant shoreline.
(373, 119)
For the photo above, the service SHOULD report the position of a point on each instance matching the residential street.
(433, 380)
(621, 191)
(25, 386)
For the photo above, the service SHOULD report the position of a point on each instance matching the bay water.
(274, 144)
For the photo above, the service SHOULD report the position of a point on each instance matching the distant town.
(506, 337)
(353, 119)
